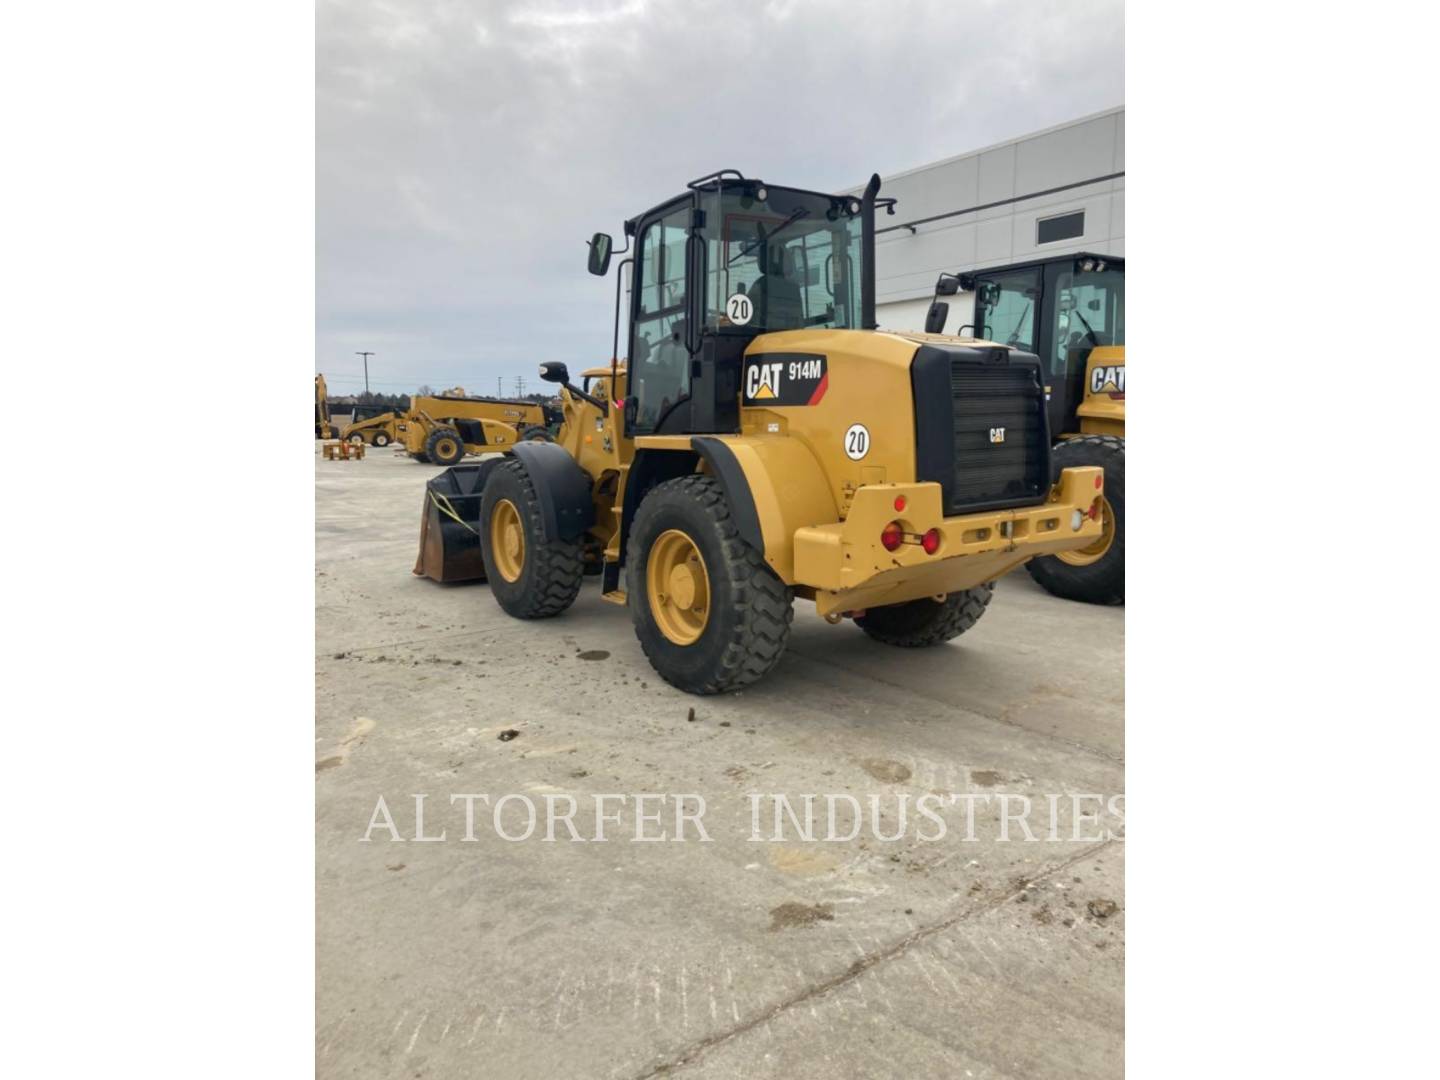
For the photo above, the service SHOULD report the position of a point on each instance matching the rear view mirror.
(936, 316)
(948, 285)
(600, 246)
(555, 371)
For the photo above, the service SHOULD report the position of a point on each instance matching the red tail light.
(899, 504)
(892, 536)
(931, 541)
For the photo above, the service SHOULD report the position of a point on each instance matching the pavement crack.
(696, 1050)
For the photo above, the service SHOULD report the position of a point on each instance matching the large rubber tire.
(550, 571)
(356, 439)
(750, 609)
(918, 624)
(1102, 581)
(419, 457)
(535, 433)
(444, 447)
(381, 439)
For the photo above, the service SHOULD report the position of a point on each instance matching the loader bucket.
(450, 524)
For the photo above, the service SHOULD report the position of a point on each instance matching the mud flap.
(450, 524)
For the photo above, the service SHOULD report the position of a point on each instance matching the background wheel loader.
(443, 428)
(765, 442)
(1069, 311)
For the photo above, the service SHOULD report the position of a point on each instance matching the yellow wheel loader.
(443, 428)
(1069, 311)
(372, 426)
(763, 442)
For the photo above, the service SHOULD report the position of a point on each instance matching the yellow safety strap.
(447, 509)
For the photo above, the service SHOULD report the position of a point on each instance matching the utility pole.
(499, 385)
(366, 357)
(519, 386)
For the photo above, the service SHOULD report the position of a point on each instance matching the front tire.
(711, 616)
(532, 578)
(1096, 574)
(381, 439)
(921, 623)
(444, 447)
(535, 433)
(357, 440)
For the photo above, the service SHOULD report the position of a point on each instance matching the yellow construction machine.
(373, 425)
(324, 429)
(766, 442)
(1070, 312)
(443, 428)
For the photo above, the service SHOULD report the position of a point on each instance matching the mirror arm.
(599, 403)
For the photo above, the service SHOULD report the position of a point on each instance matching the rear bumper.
(849, 568)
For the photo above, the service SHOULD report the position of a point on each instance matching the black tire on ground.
(356, 439)
(750, 609)
(381, 439)
(1102, 581)
(550, 572)
(418, 457)
(920, 623)
(444, 447)
(535, 432)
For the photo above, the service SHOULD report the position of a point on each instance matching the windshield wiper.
(766, 237)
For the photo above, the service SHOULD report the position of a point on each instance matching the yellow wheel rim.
(1095, 552)
(507, 540)
(445, 448)
(678, 587)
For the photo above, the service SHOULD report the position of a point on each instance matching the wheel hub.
(507, 540)
(679, 587)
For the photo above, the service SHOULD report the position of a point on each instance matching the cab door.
(659, 373)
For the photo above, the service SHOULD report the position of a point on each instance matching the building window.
(1064, 227)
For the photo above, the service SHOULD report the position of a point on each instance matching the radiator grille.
(1008, 401)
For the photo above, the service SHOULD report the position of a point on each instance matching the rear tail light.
(892, 536)
(931, 541)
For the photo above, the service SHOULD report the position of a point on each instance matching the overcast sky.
(467, 148)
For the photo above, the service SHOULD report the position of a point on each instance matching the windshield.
(789, 262)
(1007, 307)
(1090, 311)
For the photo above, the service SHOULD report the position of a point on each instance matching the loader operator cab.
(728, 260)
(1060, 309)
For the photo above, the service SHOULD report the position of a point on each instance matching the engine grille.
(981, 428)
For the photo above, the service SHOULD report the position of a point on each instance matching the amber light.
(931, 541)
(899, 503)
(892, 536)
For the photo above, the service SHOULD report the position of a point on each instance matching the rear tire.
(535, 433)
(1099, 580)
(918, 624)
(549, 571)
(419, 457)
(381, 439)
(444, 447)
(740, 632)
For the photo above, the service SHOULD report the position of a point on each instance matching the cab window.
(1007, 307)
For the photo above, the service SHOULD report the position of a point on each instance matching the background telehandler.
(443, 428)
(763, 442)
(1069, 311)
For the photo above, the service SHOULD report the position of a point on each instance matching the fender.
(775, 486)
(567, 508)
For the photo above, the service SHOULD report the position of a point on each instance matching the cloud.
(465, 150)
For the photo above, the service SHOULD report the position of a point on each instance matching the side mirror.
(936, 316)
(948, 285)
(555, 371)
(600, 245)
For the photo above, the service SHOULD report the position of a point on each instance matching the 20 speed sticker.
(784, 379)
(857, 441)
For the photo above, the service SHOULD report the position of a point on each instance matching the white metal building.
(1054, 192)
